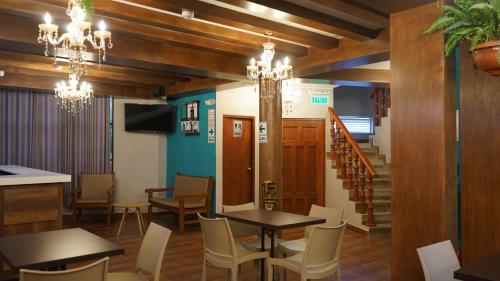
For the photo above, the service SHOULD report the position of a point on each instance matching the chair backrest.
(439, 261)
(96, 185)
(332, 216)
(217, 237)
(96, 271)
(241, 229)
(323, 246)
(190, 184)
(152, 250)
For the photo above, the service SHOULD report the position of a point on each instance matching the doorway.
(238, 159)
(303, 164)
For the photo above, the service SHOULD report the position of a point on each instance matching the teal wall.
(192, 154)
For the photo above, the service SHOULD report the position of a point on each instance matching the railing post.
(338, 137)
(344, 158)
(349, 166)
(388, 99)
(356, 177)
(371, 219)
(375, 106)
(362, 202)
(332, 141)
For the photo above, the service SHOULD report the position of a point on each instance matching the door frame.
(323, 156)
(251, 118)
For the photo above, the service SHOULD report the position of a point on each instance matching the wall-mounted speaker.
(158, 91)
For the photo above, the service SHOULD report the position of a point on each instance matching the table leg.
(138, 220)
(122, 222)
(142, 220)
(262, 249)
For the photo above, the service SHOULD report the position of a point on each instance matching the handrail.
(353, 165)
(353, 142)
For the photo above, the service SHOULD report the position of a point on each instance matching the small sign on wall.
(263, 132)
(237, 128)
(320, 99)
(211, 126)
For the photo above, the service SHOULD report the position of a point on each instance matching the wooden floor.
(362, 258)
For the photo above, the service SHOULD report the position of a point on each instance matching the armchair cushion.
(96, 186)
(185, 185)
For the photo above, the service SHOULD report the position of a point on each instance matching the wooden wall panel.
(423, 144)
(480, 153)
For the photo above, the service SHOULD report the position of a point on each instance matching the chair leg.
(204, 271)
(181, 222)
(110, 213)
(269, 272)
(73, 218)
(150, 214)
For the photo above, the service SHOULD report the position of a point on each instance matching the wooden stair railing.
(353, 164)
(381, 104)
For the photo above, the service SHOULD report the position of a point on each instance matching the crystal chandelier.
(73, 96)
(270, 78)
(74, 41)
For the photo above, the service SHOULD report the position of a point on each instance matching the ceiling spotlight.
(187, 14)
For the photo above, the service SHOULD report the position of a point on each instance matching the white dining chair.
(321, 257)
(439, 261)
(95, 271)
(332, 216)
(150, 257)
(221, 251)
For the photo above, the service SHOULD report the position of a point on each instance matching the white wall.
(382, 137)
(241, 99)
(139, 158)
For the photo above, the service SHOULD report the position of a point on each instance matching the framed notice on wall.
(211, 126)
(263, 132)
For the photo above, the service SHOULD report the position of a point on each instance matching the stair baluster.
(371, 220)
(343, 153)
(349, 166)
(338, 160)
(362, 181)
(332, 140)
(388, 99)
(375, 106)
(382, 103)
(356, 177)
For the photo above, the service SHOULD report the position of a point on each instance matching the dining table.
(486, 268)
(55, 249)
(270, 221)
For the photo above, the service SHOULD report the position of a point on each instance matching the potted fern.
(475, 21)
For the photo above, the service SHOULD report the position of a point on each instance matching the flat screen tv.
(155, 118)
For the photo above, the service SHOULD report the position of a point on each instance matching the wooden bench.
(191, 195)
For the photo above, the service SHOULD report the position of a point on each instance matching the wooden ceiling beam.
(35, 9)
(355, 14)
(339, 26)
(222, 15)
(348, 55)
(118, 76)
(19, 79)
(357, 74)
(195, 85)
(178, 59)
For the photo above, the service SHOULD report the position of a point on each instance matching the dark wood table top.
(273, 220)
(55, 248)
(485, 269)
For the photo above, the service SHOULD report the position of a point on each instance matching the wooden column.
(480, 155)
(270, 163)
(424, 191)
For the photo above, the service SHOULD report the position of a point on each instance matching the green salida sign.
(319, 99)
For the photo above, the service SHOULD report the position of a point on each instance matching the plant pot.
(486, 57)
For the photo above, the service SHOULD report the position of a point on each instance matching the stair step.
(379, 217)
(378, 183)
(380, 228)
(378, 206)
(378, 194)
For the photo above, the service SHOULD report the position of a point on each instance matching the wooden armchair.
(191, 195)
(94, 191)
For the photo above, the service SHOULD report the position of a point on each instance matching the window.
(358, 124)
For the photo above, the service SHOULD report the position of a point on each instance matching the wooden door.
(303, 164)
(238, 160)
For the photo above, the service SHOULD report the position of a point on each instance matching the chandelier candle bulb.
(47, 18)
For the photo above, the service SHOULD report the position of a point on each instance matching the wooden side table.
(126, 205)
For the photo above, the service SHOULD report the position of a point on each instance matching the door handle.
(249, 168)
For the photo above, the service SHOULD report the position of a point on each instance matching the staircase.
(364, 174)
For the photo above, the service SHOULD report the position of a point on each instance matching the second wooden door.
(303, 164)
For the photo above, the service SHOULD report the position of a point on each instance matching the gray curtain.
(36, 133)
